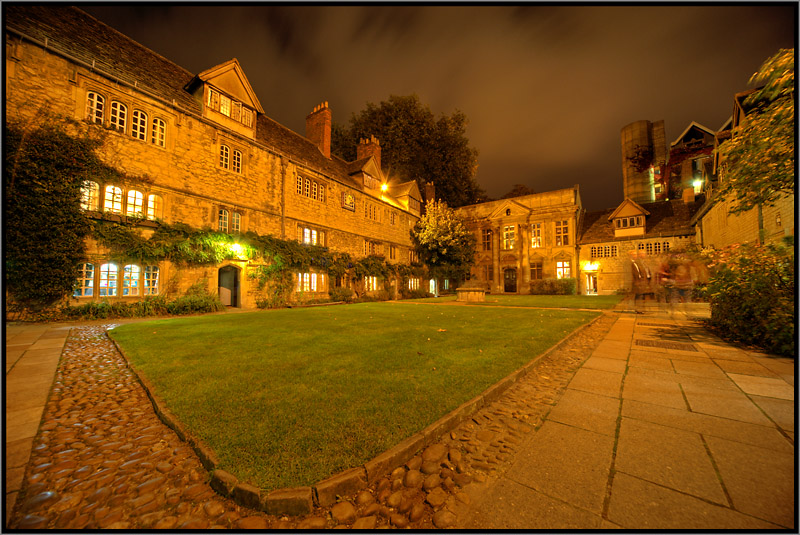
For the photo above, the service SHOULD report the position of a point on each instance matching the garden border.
(302, 500)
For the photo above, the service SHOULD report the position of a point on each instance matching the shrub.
(419, 293)
(751, 292)
(341, 294)
(380, 295)
(553, 286)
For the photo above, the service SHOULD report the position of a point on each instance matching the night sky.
(547, 89)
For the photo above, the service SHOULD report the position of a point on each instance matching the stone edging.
(301, 500)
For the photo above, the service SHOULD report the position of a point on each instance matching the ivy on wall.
(44, 168)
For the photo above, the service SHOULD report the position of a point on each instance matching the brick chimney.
(369, 147)
(318, 128)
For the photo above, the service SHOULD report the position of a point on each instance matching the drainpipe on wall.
(284, 170)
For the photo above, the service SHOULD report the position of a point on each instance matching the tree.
(519, 190)
(416, 145)
(758, 160)
(443, 242)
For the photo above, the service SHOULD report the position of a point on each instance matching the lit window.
(487, 239)
(139, 125)
(84, 286)
(223, 221)
(135, 204)
(536, 270)
(113, 201)
(155, 207)
(413, 284)
(119, 116)
(536, 235)
(306, 235)
(95, 104)
(236, 222)
(159, 133)
(224, 156)
(562, 233)
(90, 195)
(130, 280)
(562, 270)
(236, 162)
(313, 282)
(225, 105)
(313, 237)
(151, 280)
(108, 280)
(371, 283)
(508, 236)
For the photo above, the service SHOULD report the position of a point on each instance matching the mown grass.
(595, 302)
(288, 397)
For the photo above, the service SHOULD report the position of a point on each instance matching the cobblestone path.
(103, 459)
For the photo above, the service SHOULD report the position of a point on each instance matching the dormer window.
(371, 182)
(629, 222)
(229, 107)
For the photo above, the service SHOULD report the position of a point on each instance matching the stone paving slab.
(668, 457)
(640, 360)
(515, 506)
(781, 411)
(566, 463)
(587, 411)
(724, 403)
(605, 364)
(597, 382)
(642, 505)
(744, 367)
(763, 386)
(699, 369)
(756, 435)
(760, 482)
(654, 390)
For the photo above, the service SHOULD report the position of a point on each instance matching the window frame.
(155, 207)
(131, 274)
(224, 156)
(116, 199)
(562, 233)
(509, 237)
(90, 196)
(223, 217)
(131, 203)
(118, 116)
(139, 121)
(150, 279)
(95, 107)
(158, 134)
(536, 235)
(111, 283)
(563, 269)
(486, 239)
(84, 284)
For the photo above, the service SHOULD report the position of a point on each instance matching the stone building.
(611, 240)
(689, 156)
(197, 149)
(716, 227)
(644, 156)
(524, 238)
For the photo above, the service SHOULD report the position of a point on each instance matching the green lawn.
(288, 397)
(538, 301)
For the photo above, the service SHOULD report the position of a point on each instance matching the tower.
(643, 157)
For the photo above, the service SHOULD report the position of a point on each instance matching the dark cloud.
(547, 89)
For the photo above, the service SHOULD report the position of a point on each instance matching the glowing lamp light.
(238, 250)
(590, 266)
(697, 185)
(384, 186)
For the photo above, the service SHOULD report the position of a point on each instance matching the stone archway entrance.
(228, 280)
(510, 280)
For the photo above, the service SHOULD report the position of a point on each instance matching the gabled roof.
(403, 189)
(667, 218)
(628, 202)
(230, 77)
(727, 125)
(505, 204)
(366, 165)
(692, 125)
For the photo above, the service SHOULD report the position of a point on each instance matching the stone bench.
(470, 295)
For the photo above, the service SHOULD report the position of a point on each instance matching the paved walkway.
(642, 421)
(664, 427)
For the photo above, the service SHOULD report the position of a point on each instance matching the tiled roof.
(73, 32)
(667, 218)
(69, 30)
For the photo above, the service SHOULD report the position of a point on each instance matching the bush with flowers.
(751, 292)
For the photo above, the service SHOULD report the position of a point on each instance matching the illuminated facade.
(198, 149)
(611, 240)
(524, 238)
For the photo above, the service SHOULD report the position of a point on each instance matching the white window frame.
(224, 156)
(155, 207)
(536, 235)
(84, 286)
(509, 235)
(222, 220)
(109, 274)
(563, 269)
(135, 204)
(151, 280)
(236, 222)
(236, 161)
(90, 195)
(139, 125)
(113, 199)
(118, 118)
(159, 134)
(95, 107)
(130, 280)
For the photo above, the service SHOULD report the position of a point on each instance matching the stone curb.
(301, 500)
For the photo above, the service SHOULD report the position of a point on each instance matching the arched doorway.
(229, 286)
(510, 280)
